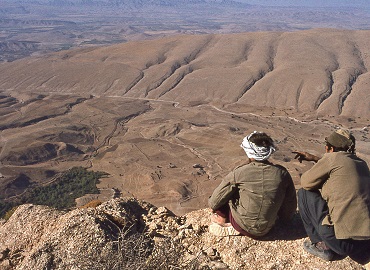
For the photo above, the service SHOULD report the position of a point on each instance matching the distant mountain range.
(39, 26)
(132, 3)
(138, 3)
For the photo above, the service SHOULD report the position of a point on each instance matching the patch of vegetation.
(9, 213)
(5, 208)
(62, 193)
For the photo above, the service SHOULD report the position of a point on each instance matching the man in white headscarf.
(252, 197)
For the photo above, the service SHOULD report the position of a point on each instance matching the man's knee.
(309, 198)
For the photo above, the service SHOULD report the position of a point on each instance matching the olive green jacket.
(344, 182)
(257, 194)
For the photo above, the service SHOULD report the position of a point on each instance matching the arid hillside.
(324, 72)
(165, 118)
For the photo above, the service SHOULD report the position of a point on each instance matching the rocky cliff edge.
(127, 233)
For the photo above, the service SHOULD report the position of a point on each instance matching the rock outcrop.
(126, 233)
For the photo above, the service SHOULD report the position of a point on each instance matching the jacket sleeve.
(289, 206)
(315, 177)
(223, 193)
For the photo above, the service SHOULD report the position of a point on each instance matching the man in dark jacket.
(334, 201)
(252, 197)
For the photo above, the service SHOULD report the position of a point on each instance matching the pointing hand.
(305, 156)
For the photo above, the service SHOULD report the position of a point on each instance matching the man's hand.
(305, 156)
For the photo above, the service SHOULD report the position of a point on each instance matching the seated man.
(252, 197)
(334, 201)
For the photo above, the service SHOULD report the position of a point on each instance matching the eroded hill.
(320, 71)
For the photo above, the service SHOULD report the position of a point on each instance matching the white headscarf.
(259, 153)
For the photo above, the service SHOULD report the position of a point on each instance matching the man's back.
(264, 190)
(252, 196)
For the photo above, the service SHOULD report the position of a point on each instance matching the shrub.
(140, 251)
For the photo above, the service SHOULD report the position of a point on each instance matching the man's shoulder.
(242, 166)
(262, 166)
(341, 156)
(283, 171)
(276, 166)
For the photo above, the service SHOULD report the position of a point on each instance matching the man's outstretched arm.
(300, 155)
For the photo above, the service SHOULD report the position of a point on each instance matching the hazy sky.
(311, 3)
(308, 3)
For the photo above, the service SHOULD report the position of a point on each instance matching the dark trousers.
(313, 209)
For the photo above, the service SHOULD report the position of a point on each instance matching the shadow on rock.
(286, 231)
